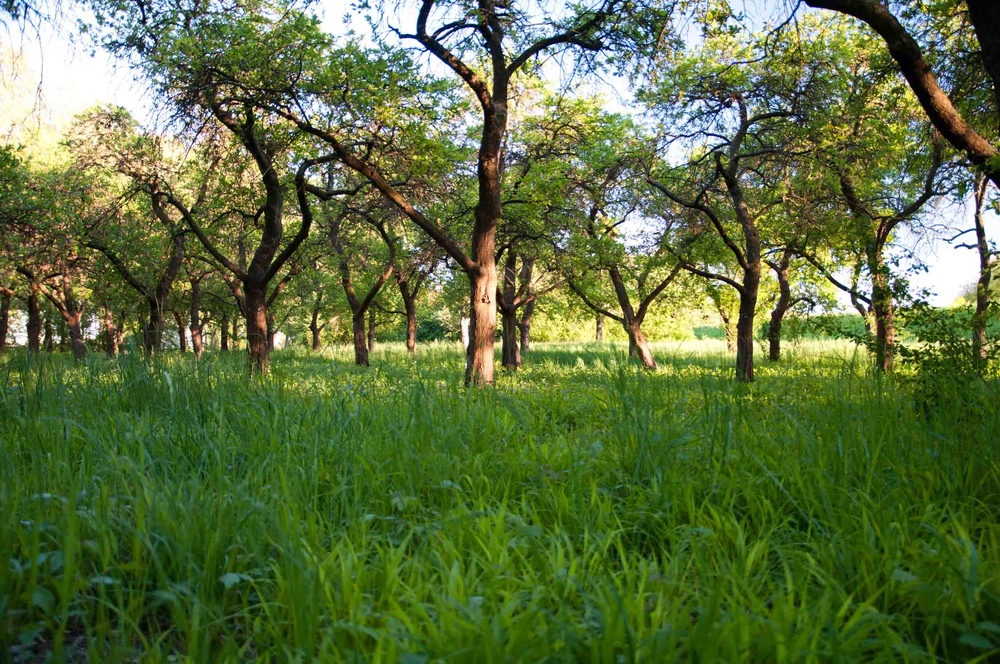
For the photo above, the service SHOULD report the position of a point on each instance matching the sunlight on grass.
(582, 511)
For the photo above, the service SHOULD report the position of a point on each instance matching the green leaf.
(977, 641)
(43, 599)
(230, 579)
(903, 576)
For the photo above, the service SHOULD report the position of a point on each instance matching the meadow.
(582, 511)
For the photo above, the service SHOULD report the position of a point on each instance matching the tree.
(502, 42)
(740, 110)
(147, 256)
(919, 73)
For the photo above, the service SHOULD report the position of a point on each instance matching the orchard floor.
(582, 511)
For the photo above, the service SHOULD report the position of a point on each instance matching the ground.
(584, 510)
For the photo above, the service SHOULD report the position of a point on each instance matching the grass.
(581, 511)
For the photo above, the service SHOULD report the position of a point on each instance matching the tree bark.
(980, 317)
(526, 316)
(315, 328)
(256, 321)
(371, 329)
(270, 332)
(780, 307)
(49, 342)
(599, 328)
(181, 332)
(34, 320)
(638, 347)
(224, 333)
(410, 305)
(5, 298)
(110, 334)
(510, 351)
(744, 326)
(360, 339)
(73, 322)
(882, 308)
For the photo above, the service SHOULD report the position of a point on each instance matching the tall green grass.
(582, 511)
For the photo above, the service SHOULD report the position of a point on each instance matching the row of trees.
(299, 164)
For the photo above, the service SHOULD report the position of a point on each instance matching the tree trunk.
(110, 334)
(234, 340)
(882, 307)
(986, 22)
(34, 321)
(638, 347)
(181, 332)
(256, 322)
(4, 319)
(152, 336)
(744, 325)
(360, 340)
(49, 342)
(315, 329)
(76, 335)
(197, 324)
(510, 353)
(979, 319)
(599, 328)
(529, 312)
(371, 330)
(780, 307)
(410, 305)
(224, 334)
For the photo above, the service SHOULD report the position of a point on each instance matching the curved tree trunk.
(638, 346)
(780, 307)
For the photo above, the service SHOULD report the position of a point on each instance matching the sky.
(62, 80)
